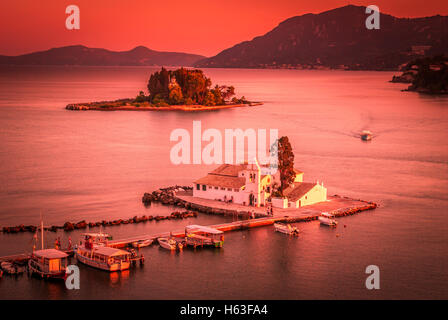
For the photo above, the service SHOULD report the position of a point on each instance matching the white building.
(244, 184)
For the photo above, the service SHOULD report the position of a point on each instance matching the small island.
(426, 75)
(181, 89)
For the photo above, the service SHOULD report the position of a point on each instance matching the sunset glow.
(198, 26)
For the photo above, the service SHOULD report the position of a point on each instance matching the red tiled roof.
(298, 190)
(222, 181)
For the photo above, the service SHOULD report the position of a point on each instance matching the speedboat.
(366, 135)
(327, 219)
(286, 228)
(48, 264)
(142, 243)
(170, 244)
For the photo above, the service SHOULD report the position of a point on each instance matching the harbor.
(338, 206)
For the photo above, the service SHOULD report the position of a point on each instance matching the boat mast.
(42, 230)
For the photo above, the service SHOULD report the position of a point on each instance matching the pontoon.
(196, 235)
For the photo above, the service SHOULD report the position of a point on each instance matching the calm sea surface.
(96, 165)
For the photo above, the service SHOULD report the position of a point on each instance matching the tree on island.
(186, 86)
(285, 163)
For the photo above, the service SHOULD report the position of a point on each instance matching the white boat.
(286, 228)
(327, 219)
(169, 244)
(366, 135)
(93, 251)
(104, 258)
(142, 243)
(48, 264)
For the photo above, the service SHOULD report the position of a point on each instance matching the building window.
(229, 189)
(268, 189)
(223, 188)
(209, 187)
(204, 187)
(198, 187)
(216, 188)
(236, 190)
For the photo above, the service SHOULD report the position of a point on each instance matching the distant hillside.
(81, 55)
(338, 39)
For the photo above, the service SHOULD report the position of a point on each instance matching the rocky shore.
(128, 105)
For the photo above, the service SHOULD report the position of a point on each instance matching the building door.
(251, 199)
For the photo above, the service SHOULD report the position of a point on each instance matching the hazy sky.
(196, 26)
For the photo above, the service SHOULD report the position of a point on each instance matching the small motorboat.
(286, 228)
(327, 219)
(366, 135)
(142, 243)
(12, 268)
(170, 244)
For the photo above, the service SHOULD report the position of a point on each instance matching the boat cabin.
(48, 262)
(90, 239)
(196, 235)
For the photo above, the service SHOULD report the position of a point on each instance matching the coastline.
(147, 107)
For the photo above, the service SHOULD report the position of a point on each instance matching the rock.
(68, 226)
(81, 225)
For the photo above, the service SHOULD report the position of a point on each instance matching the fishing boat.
(170, 244)
(196, 235)
(327, 219)
(142, 243)
(286, 228)
(366, 135)
(48, 264)
(103, 258)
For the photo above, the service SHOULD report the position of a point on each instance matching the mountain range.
(82, 55)
(338, 38)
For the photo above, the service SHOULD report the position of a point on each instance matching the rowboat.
(286, 228)
(142, 243)
(327, 219)
(48, 264)
(170, 244)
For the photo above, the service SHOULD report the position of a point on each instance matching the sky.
(195, 26)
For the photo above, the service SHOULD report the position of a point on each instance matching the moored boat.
(286, 228)
(48, 264)
(103, 258)
(142, 243)
(327, 219)
(170, 244)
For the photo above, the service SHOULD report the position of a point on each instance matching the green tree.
(285, 162)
